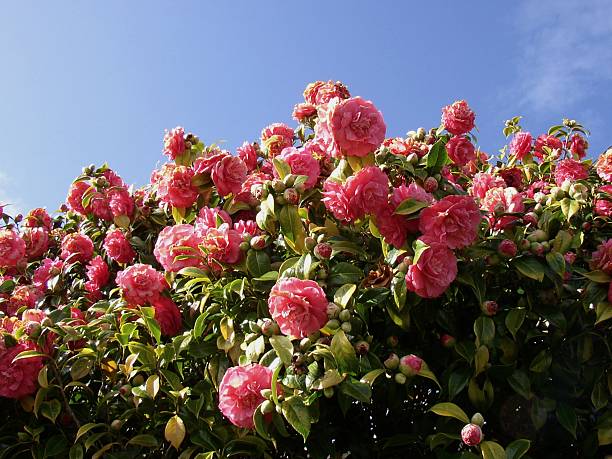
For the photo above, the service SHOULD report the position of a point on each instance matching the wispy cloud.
(13, 205)
(566, 52)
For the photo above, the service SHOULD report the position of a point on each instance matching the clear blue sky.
(88, 82)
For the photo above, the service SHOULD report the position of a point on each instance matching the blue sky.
(88, 82)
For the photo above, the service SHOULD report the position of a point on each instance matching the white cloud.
(12, 205)
(566, 52)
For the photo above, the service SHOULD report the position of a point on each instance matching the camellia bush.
(325, 292)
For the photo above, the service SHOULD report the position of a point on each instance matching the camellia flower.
(98, 275)
(38, 217)
(12, 248)
(356, 125)
(483, 182)
(20, 377)
(48, 268)
(240, 393)
(503, 200)
(578, 146)
(367, 191)
(410, 365)
(118, 248)
(471, 434)
(460, 150)
(168, 315)
(228, 175)
(604, 166)
(77, 247)
(174, 142)
(248, 154)
(298, 306)
(549, 141)
(602, 257)
(391, 226)
(276, 137)
(37, 241)
(320, 92)
(454, 221)
(603, 205)
(458, 118)
(141, 284)
(222, 245)
(175, 241)
(520, 144)
(301, 162)
(174, 186)
(434, 271)
(336, 200)
(569, 169)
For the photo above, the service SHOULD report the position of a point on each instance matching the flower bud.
(332, 324)
(471, 434)
(477, 419)
(362, 347)
(138, 380)
(116, 424)
(333, 310)
(257, 190)
(305, 344)
(570, 258)
(345, 315)
(32, 329)
(278, 186)
(430, 185)
(328, 392)
(267, 407)
(410, 365)
(412, 158)
(346, 327)
(125, 390)
(507, 248)
(392, 341)
(289, 180)
(392, 362)
(530, 218)
(310, 242)
(244, 246)
(537, 249)
(525, 244)
(489, 308)
(323, 251)
(269, 327)
(258, 242)
(538, 236)
(448, 341)
(400, 378)
(292, 196)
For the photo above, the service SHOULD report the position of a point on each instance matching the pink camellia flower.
(228, 175)
(549, 141)
(298, 306)
(12, 248)
(512, 176)
(276, 137)
(434, 271)
(20, 377)
(454, 221)
(507, 248)
(356, 125)
(502, 200)
(75, 197)
(604, 166)
(120, 202)
(603, 205)
(460, 150)
(483, 182)
(222, 245)
(177, 240)
(174, 142)
(301, 162)
(410, 191)
(205, 164)
(336, 200)
(248, 153)
(458, 118)
(33, 315)
(240, 393)
(367, 191)
(38, 217)
(410, 365)
(211, 218)
(569, 169)
(175, 187)
(23, 296)
(303, 111)
(471, 434)
(252, 187)
(392, 227)
(113, 179)
(98, 276)
(520, 144)
(77, 247)
(168, 315)
(602, 257)
(118, 248)
(48, 268)
(37, 241)
(141, 284)
(247, 227)
(98, 203)
(570, 257)
(321, 92)
(578, 146)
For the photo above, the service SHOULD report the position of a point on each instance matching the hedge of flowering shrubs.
(326, 290)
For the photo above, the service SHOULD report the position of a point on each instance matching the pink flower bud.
(323, 250)
(489, 308)
(430, 184)
(447, 340)
(507, 248)
(471, 434)
(410, 365)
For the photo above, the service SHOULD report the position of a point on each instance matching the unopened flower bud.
(267, 407)
(345, 315)
(447, 340)
(400, 378)
(362, 347)
(333, 310)
(278, 186)
(477, 419)
(346, 327)
(412, 158)
(471, 434)
(489, 307)
(328, 392)
(507, 248)
(116, 424)
(410, 365)
(292, 196)
(258, 242)
(430, 185)
(269, 327)
(244, 246)
(323, 251)
(392, 341)
(310, 242)
(266, 393)
(332, 324)
(392, 362)
(530, 218)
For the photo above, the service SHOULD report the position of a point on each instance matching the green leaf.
(530, 267)
(599, 277)
(283, 347)
(450, 410)
(481, 358)
(191, 271)
(541, 362)
(556, 261)
(330, 378)
(51, 409)
(175, 431)
(255, 348)
(282, 168)
(484, 328)
(29, 355)
(569, 207)
(258, 263)
(514, 320)
(292, 228)
(76, 452)
(344, 353)
(86, 428)
(410, 206)
(357, 390)
(458, 381)
(437, 155)
(419, 248)
(344, 294)
(599, 395)
(567, 418)
(492, 450)
(519, 381)
(344, 273)
(297, 415)
(148, 441)
(518, 448)
(178, 213)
